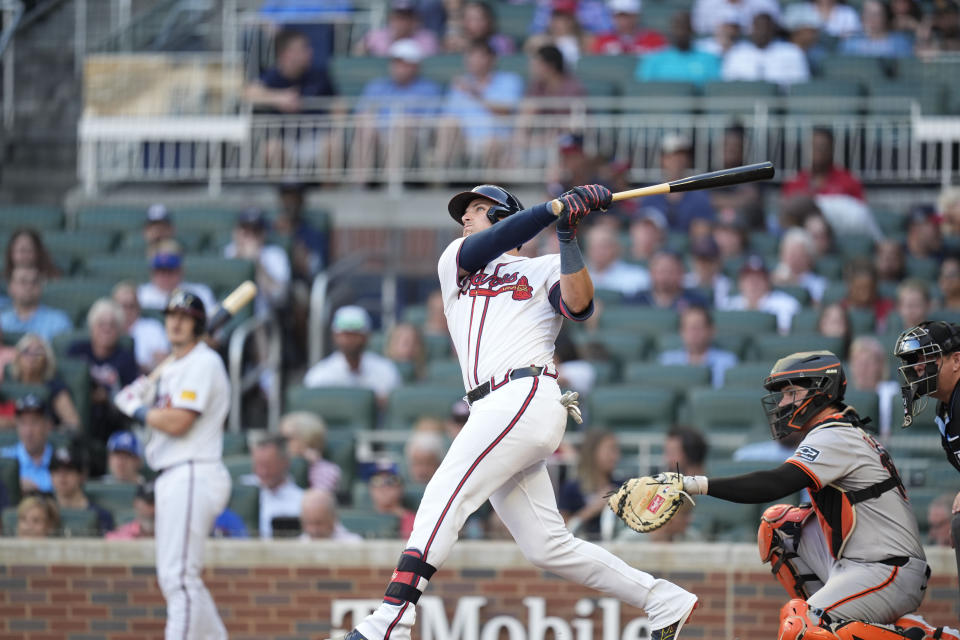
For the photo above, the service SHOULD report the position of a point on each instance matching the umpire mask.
(823, 383)
(920, 351)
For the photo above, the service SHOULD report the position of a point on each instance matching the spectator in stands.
(923, 233)
(111, 366)
(404, 91)
(459, 412)
(834, 322)
(306, 435)
(124, 459)
(648, 234)
(706, 13)
(582, 500)
(423, 453)
(756, 293)
(270, 261)
(592, 15)
(608, 270)
(763, 58)
(25, 249)
(941, 34)
(913, 301)
(282, 88)
(949, 283)
(403, 23)
(939, 520)
(479, 23)
(820, 232)
(279, 495)
(707, 274)
(166, 274)
(405, 347)
(144, 520)
(803, 23)
(877, 40)
(37, 517)
(157, 228)
(386, 493)
(548, 77)
(839, 20)
(685, 449)
(574, 372)
(308, 245)
(823, 177)
(36, 364)
(68, 472)
(351, 365)
(726, 33)
(150, 344)
(697, 332)
(680, 62)
(476, 99)
(318, 518)
(797, 257)
(575, 166)
(868, 371)
(681, 209)
(564, 32)
(862, 291)
(907, 16)
(628, 36)
(666, 284)
(890, 261)
(740, 200)
(33, 449)
(731, 237)
(948, 206)
(26, 314)
(436, 321)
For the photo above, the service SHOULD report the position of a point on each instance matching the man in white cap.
(706, 13)
(404, 88)
(765, 58)
(351, 365)
(628, 36)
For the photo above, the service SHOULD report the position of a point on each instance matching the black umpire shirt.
(949, 428)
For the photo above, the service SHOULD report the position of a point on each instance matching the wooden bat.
(234, 302)
(712, 180)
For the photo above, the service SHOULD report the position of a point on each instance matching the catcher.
(850, 559)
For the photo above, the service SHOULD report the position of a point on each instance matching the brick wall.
(89, 590)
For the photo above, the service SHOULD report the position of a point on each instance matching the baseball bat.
(955, 533)
(711, 180)
(234, 302)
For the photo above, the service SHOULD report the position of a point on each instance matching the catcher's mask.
(920, 351)
(503, 203)
(819, 372)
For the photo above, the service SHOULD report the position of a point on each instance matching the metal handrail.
(240, 382)
(13, 10)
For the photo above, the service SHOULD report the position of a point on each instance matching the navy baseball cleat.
(671, 631)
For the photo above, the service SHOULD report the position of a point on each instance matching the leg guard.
(405, 583)
(916, 628)
(778, 539)
(800, 621)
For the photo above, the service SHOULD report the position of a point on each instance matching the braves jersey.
(197, 382)
(837, 454)
(500, 318)
(950, 430)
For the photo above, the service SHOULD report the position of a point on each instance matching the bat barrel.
(724, 177)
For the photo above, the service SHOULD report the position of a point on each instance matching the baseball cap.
(165, 260)
(753, 264)
(921, 213)
(406, 50)
(403, 5)
(145, 492)
(673, 142)
(158, 213)
(253, 219)
(728, 15)
(370, 469)
(802, 16)
(63, 458)
(570, 142)
(625, 6)
(352, 318)
(124, 442)
(30, 402)
(706, 248)
(564, 6)
(653, 216)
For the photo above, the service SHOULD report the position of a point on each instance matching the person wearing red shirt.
(823, 177)
(628, 36)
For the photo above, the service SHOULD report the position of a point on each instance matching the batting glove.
(130, 403)
(577, 203)
(572, 405)
(146, 389)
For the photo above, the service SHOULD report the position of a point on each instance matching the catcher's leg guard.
(916, 628)
(800, 621)
(778, 539)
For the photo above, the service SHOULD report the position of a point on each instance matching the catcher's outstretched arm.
(760, 486)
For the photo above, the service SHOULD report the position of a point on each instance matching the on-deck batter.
(504, 312)
(185, 412)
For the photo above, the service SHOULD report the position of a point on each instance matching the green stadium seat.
(862, 321)
(360, 499)
(76, 375)
(245, 502)
(674, 378)
(120, 219)
(830, 267)
(370, 524)
(79, 523)
(10, 390)
(117, 267)
(415, 314)
(220, 274)
(238, 465)
(13, 216)
(442, 68)
(10, 521)
(443, 371)
(407, 404)
(598, 87)
(897, 98)
(352, 73)
(737, 96)
(438, 346)
(946, 315)
(340, 407)
(412, 495)
(69, 249)
(834, 96)
(10, 476)
(515, 62)
(744, 323)
(800, 292)
(764, 243)
(513, 20)
(891, 222)
(622, 346)
(715, 517)
(736, 344)
(866, 70)
(7, 437)
(728, 409)
(923, 268)
(111, 495)
(852, 246)
(770, 348)
(648, 321)
(835, 292)
(631, 407)
(867, 404)
(616, 70)
(205, 219)
(340, 450)
(234, 444)
(133, 244)
(300, 471)
(747, 376)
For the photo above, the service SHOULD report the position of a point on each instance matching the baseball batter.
(504, 312)
(185, 412)
(853, 556)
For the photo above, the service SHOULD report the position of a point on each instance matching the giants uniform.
(192, 489)
(502, 320)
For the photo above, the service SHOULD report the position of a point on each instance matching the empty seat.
(370, 524)
(631, 407)
(867, 404)
(73, 246)
(513, 20)
(10, 521)
(245, 502)
(898, 97)
(444, 371)
(40, 217)
(645, 320)
(442, 68)
(111, 495)
(407, 404)
(117, 267)
(75, 295)
(352, 73)
(715, 518)
(613, 69)
(744, 323)
(726, 409)
(841, 96)
(770, 348)
(234, 444)
(857, 69)
(736, 344)
(737, 96)
(10, 476)
(622, 346)
(340, 407)
(747, 376)
(79, 523)
(122, 219)
(675, 378)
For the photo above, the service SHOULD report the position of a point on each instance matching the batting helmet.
(185, 302)
(922, 346)
(820, 372)
(504, 203)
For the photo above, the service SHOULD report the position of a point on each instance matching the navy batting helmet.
(819, 372)
(504, 203)
(188, 303)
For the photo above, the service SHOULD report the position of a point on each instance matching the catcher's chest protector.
(778, 537)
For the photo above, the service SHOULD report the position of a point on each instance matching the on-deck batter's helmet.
(504, 203)
(923, 345)
(820, 372)
(186, 302)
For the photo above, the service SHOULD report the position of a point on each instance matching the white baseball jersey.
(198, 382)
(500, 318)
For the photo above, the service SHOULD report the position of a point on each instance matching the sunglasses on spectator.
(385, 481)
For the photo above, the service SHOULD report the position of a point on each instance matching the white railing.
(395, 149)
(264, 331)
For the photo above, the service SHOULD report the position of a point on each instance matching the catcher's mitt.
(648, 503)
